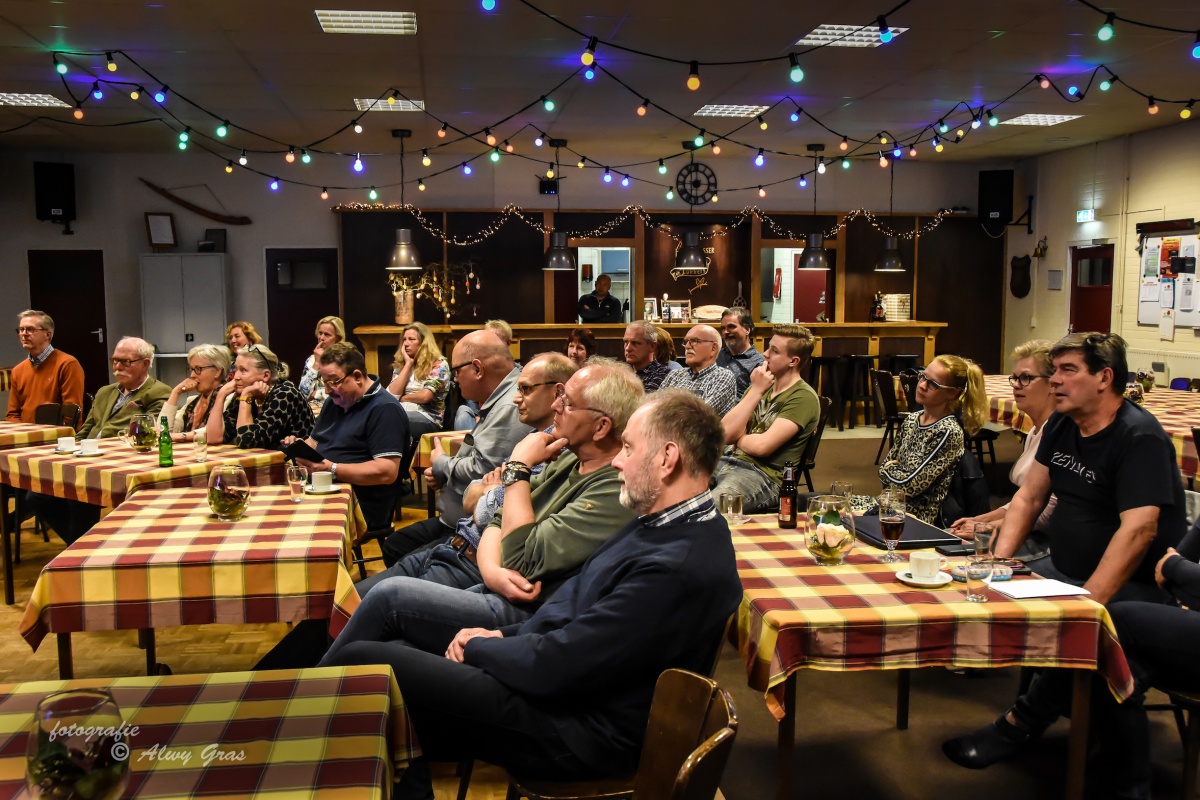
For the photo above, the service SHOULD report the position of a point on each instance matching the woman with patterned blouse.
(208, 364)
(420, 379)
(929, 443)
(267, 407)
(330, 330)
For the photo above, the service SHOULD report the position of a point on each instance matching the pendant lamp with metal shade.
(691, 256)
(404, 255)
(814, 256)
(889, 259)
(558, 257)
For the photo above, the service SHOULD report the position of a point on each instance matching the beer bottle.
(787, 497)
(165, 447)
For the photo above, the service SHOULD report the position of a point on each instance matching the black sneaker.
(996, 741)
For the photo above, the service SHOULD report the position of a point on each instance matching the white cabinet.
(185, 300)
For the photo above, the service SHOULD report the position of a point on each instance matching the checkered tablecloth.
(6, 380)
(451, 441)
(1177, 411)
(319, 734)
(106, 479)
(26, 434)
(858, 616)
(162, 559)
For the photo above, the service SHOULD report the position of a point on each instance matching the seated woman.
(420, 379)
(209, 364)
(330, 330)
(581, 345)
(1032, 394)
(240, 334)
(267, 407)
(929, 443)
(664, 349)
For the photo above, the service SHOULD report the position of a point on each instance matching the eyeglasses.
(200, 370)
(454, 369)
(921, 376)
(694, 342)
(527, 389)
(127, 362)
(1022, 380)
(333, 384)
(29, 330)
(561, 397)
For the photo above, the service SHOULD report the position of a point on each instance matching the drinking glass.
(730, 505)
(979, 572)
(92, 762)
(983, 536)
(841, 487)
(297, 476)
(228, 492)
(891, 521)
(829, 530)
(142, 434)
(200, 445)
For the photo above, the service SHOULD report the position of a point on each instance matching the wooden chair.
(48, 414)
(814, 441)
(984, 438)
(380, 534)
(690, 718)
(889, 409)
(908, 381)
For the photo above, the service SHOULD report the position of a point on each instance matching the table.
(107, 479)
(321, 734)
(162, 559)
(797, 615)
(450, 441)
(27, 434)
(6, 380)
(1177, 411)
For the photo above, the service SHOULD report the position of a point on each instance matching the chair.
(889, 409)
(908, 382)
(969, 494)
(378, 534)
(983, 438)
(857, 388)
(691, 718)
(47, 414)
(1180, 384)
(814, 441)
(1194, 385)
(826, 375)
(903, 361)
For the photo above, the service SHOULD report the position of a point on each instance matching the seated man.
(362, 431)
(467, 415)
(714, 384)
(483, 367)
(771, 424)
(47, 375)
(134, 392)
(739, 355)
(640, 343)
(1120, 508)
(566, 694)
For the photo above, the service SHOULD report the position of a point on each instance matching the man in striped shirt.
(714, 384)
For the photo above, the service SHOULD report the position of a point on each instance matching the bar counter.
(833, 338)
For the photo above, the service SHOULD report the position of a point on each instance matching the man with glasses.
(640, 340)
(713, 383)
(1120, 506)
(739, 355)
(46, 375)
(134, 392)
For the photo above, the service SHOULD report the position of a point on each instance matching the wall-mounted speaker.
(54, 191)
(995, 199)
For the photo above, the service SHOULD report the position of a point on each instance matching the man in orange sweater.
(47, 375)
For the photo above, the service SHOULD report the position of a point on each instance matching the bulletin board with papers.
(1168, 281)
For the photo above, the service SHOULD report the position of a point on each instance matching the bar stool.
(858, 387)
(826, 375)
(903, 361)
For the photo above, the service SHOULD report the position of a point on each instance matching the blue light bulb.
(845, 163)
(160, 96)
(589, 73)
(274, 184)
(607, 176)
(466, 169)
(1196, 47)
(897, 152)
(803, 182)
(759, 160)
(547, 104)
(795, 116)
(61, 67)
(1074, 90)
(97, 93)
(358, 165)
(488, 5)
(625, 181)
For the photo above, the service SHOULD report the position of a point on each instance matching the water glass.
(842, 488)
(200, 445)
(978, 574)
(730, 505)
(983, 537)
(297, 476)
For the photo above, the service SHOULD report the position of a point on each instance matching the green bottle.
(165, 447)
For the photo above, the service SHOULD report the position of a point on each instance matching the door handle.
(99, 335)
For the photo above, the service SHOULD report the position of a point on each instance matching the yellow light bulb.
(716, 148)
(714, 199)
(134, 95)
(1185, 113)
(939, 147)
(641, 111)
(391, 101)
(587, 58)
(883, 140)
(693, 82)
(229, 167)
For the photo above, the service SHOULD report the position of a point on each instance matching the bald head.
(700, 347)
(480, 361)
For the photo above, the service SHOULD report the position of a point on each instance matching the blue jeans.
(424, 614)
(440, 563)
(759, 493)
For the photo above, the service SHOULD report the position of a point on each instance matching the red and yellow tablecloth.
(858, 616)
(321, 734)
(162, 559)
(450, 441)
(1177, 411)
(106, 479)
(27, 434)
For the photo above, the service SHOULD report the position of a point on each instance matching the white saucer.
(310, 489)
(941, 579)
(58, 452)
(82, 454)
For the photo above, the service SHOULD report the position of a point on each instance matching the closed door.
(69, 286)
(302, 287)
(1091, 288)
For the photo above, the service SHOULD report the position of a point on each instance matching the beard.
(639, 490)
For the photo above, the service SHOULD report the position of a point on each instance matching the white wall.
(1139, 178)
(111, 202)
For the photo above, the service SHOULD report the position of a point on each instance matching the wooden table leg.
(9, 596)
(903, 680)
(787, 739)
(1081, 703)
(146, 640)
(66, 662)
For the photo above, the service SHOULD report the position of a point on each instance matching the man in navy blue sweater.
(566, 694)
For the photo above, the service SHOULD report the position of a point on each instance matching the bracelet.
(518, 465)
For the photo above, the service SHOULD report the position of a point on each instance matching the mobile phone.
(956, 549)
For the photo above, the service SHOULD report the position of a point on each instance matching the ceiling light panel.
(36, 100)
(712, 110)
(1040, 119)
(846, 36)
(397, 23)
(384, 105)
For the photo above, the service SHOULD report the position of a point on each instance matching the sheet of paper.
(1187, 292)
(1149, 290)
(1150, 261)
(1166, 293)
(1166, 325)
(1038, 587)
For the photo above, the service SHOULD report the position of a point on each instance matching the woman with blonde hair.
(239, 334)
(330, 330)
(929, 443)
(420, 379)
(664, 349)
(208, 364)
(266, 407)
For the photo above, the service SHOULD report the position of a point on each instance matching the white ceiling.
(266, 66)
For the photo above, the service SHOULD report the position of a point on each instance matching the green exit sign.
(1086, 215)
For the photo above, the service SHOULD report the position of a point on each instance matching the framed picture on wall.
(650, 308)
(160, 229)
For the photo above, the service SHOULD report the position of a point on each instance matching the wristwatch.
(514, 471)
(333, 470)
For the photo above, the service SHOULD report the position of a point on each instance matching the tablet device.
(301, 449)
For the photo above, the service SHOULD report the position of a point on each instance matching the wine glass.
(142, 434)
(77, 747)
(891, 521)
(228, 492)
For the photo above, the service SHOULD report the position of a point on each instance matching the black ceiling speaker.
(995, 199)
(548, 186)
(54, 192)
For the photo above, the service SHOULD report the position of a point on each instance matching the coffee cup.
(89, 447)
(322, 481)
(925, 564)
(66, 443)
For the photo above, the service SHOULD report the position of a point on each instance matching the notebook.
(917, 534)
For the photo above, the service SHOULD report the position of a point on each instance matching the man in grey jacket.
(483, 367)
